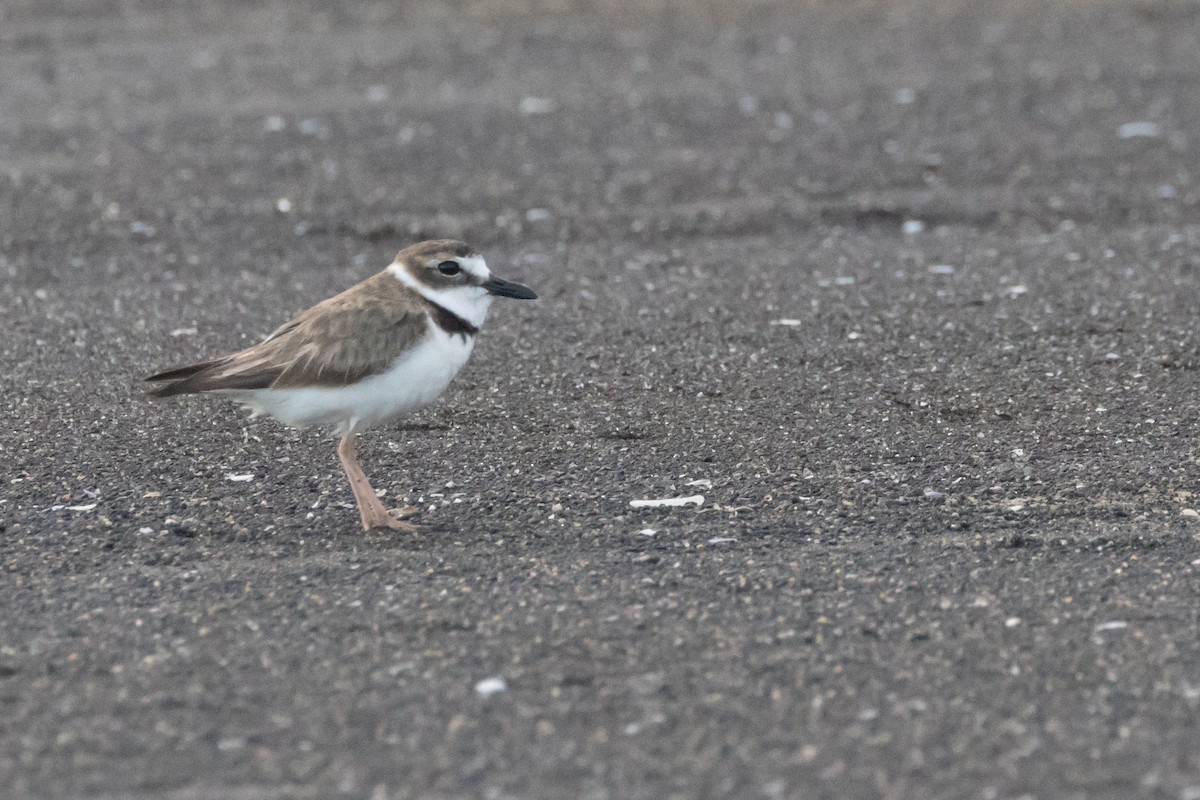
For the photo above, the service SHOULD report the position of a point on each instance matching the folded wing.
(356, 334)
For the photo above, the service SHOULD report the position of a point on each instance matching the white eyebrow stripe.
(401, 274)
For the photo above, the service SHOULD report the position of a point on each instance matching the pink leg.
(372, 512)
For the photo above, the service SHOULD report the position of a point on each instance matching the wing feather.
(344, 339)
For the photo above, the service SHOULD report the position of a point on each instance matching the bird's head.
(454, 275)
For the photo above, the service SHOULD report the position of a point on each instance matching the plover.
(384, 347)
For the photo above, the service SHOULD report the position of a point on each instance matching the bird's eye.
(449, 268)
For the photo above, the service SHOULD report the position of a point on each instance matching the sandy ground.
(907, 291)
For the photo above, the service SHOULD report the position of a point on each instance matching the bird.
(385, 347)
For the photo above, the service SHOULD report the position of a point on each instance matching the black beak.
(503, 288)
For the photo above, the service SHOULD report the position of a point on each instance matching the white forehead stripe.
(476, 267)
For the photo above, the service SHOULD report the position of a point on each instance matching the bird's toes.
(404, 511)
(388, 521)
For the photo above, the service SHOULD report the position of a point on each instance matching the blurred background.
(905, 289)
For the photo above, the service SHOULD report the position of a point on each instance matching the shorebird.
(384, 347)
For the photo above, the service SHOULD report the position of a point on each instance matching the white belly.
(414, 380)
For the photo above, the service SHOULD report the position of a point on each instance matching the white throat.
(469, 302)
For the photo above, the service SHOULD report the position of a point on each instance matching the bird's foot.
(381, 518)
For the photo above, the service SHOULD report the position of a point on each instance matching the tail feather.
(209, 376)
(180, 380)
(181, 372)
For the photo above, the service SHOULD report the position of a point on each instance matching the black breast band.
(450, 322)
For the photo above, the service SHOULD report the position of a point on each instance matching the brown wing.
(346, 338)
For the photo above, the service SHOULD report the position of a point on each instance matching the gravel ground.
(906, 291)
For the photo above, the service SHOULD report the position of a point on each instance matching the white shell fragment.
(669, 502)
(786, 323)
(239, 478)
(537, 105)
(490, 686)
(721, 540)
(1132, 130)
(1112, 625)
